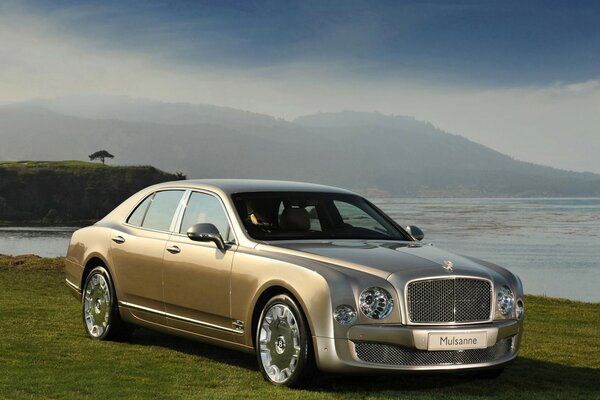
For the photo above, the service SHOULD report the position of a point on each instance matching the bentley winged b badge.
(448, 266)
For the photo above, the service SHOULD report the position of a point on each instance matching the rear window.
(137, 216)
(157, 211)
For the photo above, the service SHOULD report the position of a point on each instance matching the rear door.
(137, 254)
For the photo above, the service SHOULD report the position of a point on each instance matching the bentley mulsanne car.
(308, 277)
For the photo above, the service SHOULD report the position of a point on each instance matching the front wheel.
(283, 343)
(100, 311)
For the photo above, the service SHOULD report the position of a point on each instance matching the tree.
(100, 155)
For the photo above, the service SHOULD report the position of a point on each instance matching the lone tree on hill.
(101, 155)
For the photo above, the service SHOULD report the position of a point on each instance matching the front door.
(197, 274)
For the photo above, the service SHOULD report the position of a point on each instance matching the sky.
(520, 77)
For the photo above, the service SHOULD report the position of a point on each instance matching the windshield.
(298, 215)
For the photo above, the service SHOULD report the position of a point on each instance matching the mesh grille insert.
(378, 353)
(449, 300)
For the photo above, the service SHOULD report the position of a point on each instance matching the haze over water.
(553, 244)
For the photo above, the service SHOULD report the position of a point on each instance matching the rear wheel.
(100, 311)
(283, 343)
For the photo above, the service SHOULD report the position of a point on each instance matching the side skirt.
(126, 310)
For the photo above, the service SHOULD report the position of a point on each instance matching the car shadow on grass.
(147, 337)
(524, 378)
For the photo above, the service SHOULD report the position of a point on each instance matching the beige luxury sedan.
(306, 276)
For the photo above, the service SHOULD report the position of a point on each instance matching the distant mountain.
(140, 110)
(361, 151)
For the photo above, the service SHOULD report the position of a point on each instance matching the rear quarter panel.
(86, 243)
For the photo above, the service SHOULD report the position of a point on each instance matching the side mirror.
(206, 233)
(415, 232)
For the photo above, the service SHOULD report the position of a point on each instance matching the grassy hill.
(64, 192)
(45, 353)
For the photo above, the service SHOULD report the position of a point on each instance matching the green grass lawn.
(44, 353)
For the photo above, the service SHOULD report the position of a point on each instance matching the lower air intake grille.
(378, 353)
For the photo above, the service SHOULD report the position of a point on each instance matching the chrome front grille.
(449, 300)
(378, 353)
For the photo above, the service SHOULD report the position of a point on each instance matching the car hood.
(385, 258)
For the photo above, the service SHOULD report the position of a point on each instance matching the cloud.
(555, 124)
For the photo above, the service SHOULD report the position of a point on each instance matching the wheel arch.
(94, 260)
(311, 289)
(268, 293)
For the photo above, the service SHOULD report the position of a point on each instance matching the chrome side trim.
(179, 210)
(73, 286)
(141, 308)
(202, 323)
(178, 317)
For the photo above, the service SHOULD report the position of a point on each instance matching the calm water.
(43, 241)
(552, 244)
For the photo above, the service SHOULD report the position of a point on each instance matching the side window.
(161, 210)
(204, 208)
(356, 217)
(137, 216)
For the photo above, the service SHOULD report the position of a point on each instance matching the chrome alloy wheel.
(97, 304)
(279, 343)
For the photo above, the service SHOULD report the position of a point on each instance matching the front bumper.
(404, 348)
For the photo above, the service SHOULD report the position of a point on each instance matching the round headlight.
(376, 303)
(505, 300)
(520, 309)
(344, 314)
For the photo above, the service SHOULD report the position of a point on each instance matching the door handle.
(118, 239)
(173, 249)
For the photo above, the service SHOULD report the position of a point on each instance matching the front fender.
(318, 287)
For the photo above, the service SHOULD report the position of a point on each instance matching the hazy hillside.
(360, 151)
(129, 109)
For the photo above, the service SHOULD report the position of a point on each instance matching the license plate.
(457, 341)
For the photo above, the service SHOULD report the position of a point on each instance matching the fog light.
(344, 314)
(520, 309)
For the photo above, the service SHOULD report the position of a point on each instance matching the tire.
(99, 308)
(283, 343)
